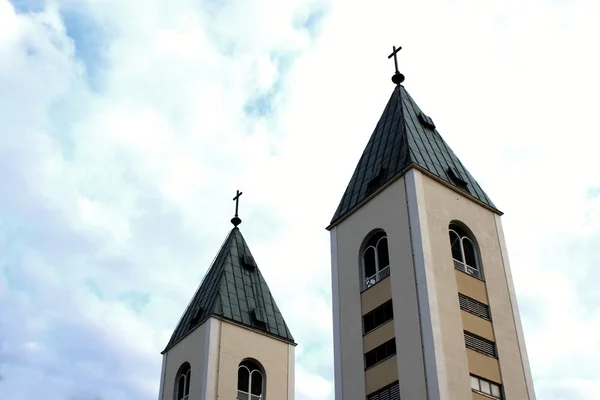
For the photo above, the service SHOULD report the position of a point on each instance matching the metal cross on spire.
(236, 220)
(398, 78)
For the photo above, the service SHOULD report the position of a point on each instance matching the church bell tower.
(424, 305)
(232, 341)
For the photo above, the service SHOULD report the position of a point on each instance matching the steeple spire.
(398, 78)
(405, 137)
(233, 289)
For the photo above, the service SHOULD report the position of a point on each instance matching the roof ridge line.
(212, 264)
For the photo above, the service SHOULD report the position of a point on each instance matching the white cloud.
(120, 156)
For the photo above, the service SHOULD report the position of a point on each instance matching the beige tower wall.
(194, 350)
(233, 344)
(214, 351)
(432, 360)
(441, 205)
(515, 308)
(387, 211)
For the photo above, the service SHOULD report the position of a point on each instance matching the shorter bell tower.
(232, 341)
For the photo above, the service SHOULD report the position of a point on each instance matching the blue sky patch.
(137, 301)
(593, 192)
(94, 288)
(313, 20)
(27, 6)
(262, 104)
(90, 41)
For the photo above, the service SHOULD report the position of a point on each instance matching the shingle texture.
(233, 291)
(404, 136)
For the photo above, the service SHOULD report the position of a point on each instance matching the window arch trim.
(372, 269)
(183, 382)
(466, 258)
(249, 391)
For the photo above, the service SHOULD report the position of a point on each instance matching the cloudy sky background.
(127, 126)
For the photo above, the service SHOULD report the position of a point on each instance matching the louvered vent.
(196, 318)
(457, 178)
(380, 353)
(480, 344)
(426, 121)
(473, 306)
(376, 181)
(248, 262)
(391, 392)
(259, 319)
(378, 316)
(258, 315)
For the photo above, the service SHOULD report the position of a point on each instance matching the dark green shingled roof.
(233, 289)
(404, 136)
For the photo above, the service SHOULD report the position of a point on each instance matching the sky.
(127, 126)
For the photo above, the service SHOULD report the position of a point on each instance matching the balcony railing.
(247, 396)
(382, 273)
(467, 268)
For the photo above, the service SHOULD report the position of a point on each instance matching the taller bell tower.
(424, 305)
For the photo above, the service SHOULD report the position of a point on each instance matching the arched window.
(251, 381)
(375, 259)
(182, 382)
(464, 251)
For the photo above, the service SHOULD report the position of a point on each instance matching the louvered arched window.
(464, 251)
(375, 259)
(182, 382)
(251, 381)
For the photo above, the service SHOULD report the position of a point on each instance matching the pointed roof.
(235, 290)
(405, 137)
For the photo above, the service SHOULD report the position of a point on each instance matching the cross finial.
(236, 220)
(398, 78)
